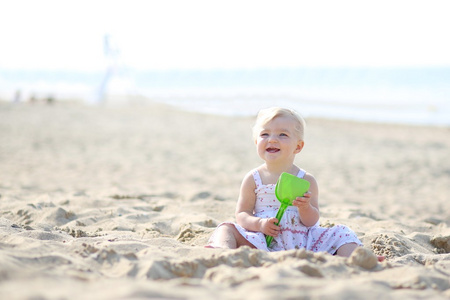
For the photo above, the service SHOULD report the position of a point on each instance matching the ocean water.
(390, 95)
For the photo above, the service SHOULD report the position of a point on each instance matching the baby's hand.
(268, 227)
(302, 202)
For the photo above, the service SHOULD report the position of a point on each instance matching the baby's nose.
(273, 139)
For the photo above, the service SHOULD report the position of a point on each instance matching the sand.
(118, 202)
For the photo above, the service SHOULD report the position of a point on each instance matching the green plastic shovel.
(288, 188)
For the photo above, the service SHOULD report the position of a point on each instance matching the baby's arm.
(246, 206)
(308, 205)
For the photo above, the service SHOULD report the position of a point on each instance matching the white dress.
(293, 234)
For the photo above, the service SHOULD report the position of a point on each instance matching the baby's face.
(278, 140)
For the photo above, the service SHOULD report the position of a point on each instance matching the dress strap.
(257, 178)
(301, 173)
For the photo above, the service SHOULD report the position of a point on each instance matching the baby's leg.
(228, 237)
(346, 249)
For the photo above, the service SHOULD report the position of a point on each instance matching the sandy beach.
(117, 203)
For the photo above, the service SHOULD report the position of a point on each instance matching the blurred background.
(382, 61)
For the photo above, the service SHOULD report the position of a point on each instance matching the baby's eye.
(264, 134)
(283, 134)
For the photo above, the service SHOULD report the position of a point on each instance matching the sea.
(415, 96)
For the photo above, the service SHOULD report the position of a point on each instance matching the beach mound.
(117, 203)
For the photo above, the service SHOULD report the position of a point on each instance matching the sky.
(197, 34)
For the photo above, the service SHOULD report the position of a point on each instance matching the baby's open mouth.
(272, 150)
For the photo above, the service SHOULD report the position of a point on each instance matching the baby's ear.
(300, 145)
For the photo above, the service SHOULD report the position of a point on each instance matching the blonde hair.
(266, 115)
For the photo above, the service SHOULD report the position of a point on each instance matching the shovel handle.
(279, 215)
